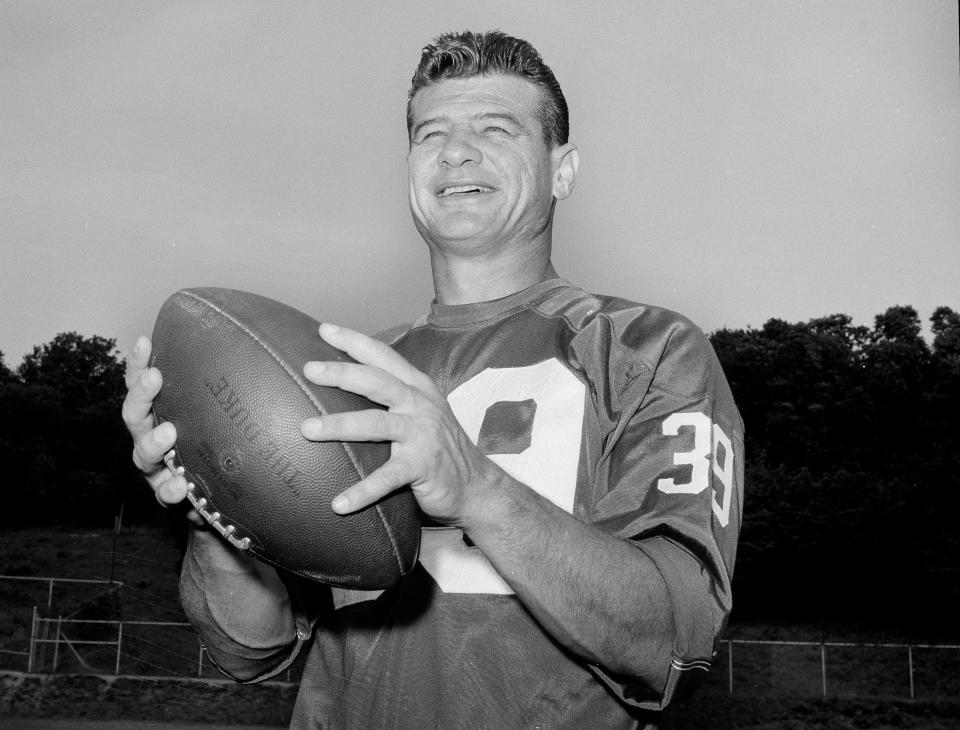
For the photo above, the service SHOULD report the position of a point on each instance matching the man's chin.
(462, 229)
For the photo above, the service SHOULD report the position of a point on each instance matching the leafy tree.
(31, 430)
(63, 447)
(945, 325)
(853, 468)
(839, 327)
(897, 324)
(6, 374)
(85, 371)
(792, 382)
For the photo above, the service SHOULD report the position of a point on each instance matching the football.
(233, 385)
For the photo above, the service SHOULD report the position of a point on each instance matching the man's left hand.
(430, 451)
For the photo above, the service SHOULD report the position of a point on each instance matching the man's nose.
(458, 149)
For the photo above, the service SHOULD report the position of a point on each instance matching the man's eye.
(496, 130)
(428, 135)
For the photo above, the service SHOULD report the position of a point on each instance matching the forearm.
(596, 594)
(237, 604)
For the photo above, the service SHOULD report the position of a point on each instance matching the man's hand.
(430, 450)
(214, 574)
(150, 443)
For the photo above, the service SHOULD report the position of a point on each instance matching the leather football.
(233, 385)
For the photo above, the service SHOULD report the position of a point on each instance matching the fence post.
(50, 594)
(200, 662)
(56, 644)
(730, 667)
(823, 667)
(116, 669)
(33, 640)
(910, 664)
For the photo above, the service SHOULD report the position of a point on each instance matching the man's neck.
(465, 281)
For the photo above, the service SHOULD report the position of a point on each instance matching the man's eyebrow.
(426, 122)
(502, 116)
(481, 116)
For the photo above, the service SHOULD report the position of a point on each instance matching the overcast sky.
(740, 160)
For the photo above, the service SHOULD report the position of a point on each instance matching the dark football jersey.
(618, 413)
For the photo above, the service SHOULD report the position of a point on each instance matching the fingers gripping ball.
(233, 386)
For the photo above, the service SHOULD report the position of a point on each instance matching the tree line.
(64, 451)
(852, 464)
(852, 461)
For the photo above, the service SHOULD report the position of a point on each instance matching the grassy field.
(775, 686)
(128, 698)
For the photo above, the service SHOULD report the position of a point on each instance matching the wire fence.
(840, 669)
(50, 583)
(122, 648)
(72, 644)
(90, 637)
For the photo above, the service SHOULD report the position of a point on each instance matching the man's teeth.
(465, 189)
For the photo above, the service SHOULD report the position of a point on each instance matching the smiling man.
(483, 173)
(578, 459)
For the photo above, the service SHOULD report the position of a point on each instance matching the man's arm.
(238, 604)
(598, 595)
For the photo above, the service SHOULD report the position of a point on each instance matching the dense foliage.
(64, 452)
(853, 457)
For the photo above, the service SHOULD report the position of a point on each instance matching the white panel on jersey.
(457, 568)
(548, 465)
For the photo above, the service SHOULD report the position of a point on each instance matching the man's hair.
(467, 54)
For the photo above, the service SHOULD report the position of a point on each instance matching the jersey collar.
(455, 315)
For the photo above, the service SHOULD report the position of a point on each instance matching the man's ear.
(566, 162)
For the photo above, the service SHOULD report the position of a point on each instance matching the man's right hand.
(214, 574)
(151, 443)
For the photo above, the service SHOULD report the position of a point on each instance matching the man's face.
(479, 170)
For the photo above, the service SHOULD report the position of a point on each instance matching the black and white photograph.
(479, 365)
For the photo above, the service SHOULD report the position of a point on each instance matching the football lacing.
(215, 519)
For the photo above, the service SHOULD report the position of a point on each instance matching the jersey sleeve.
(235, 654)
(671, 481)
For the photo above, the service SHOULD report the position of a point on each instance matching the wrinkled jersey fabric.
(618, 413)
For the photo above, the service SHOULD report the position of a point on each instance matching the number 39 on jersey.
(712, 452)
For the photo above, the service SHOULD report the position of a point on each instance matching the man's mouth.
(463, 190)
